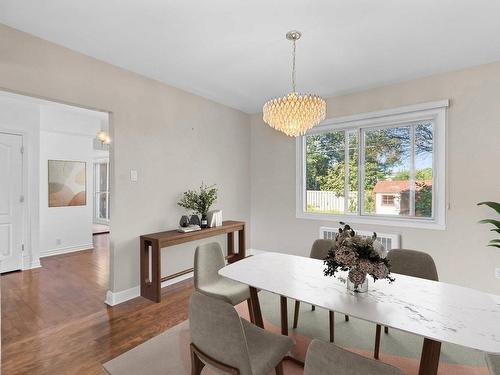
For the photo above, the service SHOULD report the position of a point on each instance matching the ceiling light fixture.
(295, 113)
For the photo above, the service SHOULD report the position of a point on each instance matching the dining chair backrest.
(217, 331)
(326, 358)
(320, 248)
(208, 260)
(413, 263)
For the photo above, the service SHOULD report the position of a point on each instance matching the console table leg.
(150, 281)
(429, 361)
(230, 246)
(156, 271)
(257, 314)
(145, 276)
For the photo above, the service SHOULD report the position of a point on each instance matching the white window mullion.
(346, 171)
(412, 170)
(361, 172)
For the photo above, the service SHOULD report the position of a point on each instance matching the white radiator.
(390, 241)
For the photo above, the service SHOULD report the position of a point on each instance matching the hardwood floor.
(54, 320)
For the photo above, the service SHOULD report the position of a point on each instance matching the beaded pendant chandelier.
(295, 113)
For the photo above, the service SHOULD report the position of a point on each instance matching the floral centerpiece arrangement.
(200, 202)
(360, 256)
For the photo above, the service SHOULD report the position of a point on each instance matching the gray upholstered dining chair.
(208, 260)
(493, 362)
(319, 250)
(410, 263)
(329, 359)
(222, 340)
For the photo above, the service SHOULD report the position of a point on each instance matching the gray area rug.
(168, 353)
(165, 354)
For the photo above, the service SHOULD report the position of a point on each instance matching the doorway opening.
(55, 184)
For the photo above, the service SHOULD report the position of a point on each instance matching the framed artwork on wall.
(67, 183)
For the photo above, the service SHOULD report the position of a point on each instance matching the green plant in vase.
(199, 202)
(496, 206)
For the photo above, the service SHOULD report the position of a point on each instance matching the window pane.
(103, 177)
(353, 171)
(325, 172)
(102, 206)
(423, 169)
(387, 171)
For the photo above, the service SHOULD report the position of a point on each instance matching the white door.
(11, 209)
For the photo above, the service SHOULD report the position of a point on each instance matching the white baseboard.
(31, 264)
(115, 298)
(177, 279)
(65, 250)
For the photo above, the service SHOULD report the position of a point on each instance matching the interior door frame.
(32, 253)
(28, 261)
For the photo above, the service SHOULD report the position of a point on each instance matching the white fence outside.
(327, 201)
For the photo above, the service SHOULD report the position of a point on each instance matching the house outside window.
(383, 167)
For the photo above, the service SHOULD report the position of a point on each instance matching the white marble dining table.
(437, 311)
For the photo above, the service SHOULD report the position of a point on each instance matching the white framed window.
(101, 192)
(385, 168)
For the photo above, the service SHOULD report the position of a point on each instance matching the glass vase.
(204, 221)
(357, 288)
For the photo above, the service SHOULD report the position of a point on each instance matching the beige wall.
(473, 175)
(173, 139)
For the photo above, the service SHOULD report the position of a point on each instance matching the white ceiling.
(234, 52)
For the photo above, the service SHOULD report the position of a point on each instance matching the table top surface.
(171, 235)
(436, 310)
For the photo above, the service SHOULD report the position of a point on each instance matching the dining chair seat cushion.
(226, 289)
(326, 359)
(493, 362)
(265, 348)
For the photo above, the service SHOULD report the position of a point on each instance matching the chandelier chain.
(293, 66)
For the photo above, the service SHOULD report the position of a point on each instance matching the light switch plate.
(133, 175)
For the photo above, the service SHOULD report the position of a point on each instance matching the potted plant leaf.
(199, 202)
(496, 206)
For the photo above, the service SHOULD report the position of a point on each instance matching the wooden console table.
(151, 245)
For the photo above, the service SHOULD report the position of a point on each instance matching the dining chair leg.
(386, 330)
(250, 311)
(196, 363)
(331, 318)
(279, 368)
(377, 342)
(346, 317)
(296, 314)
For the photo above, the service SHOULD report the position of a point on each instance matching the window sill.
(379, 221)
